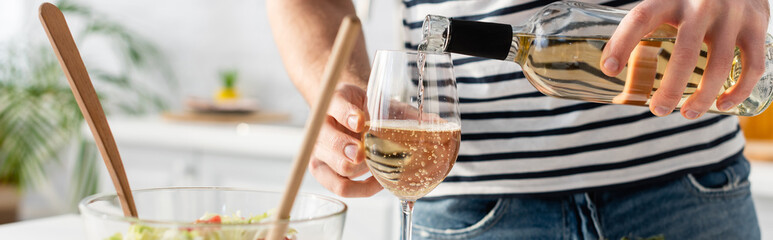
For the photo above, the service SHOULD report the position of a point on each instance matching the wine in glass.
(413, 133)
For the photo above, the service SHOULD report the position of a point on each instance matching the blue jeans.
(707, 205)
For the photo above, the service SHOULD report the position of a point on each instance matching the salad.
(206, 232)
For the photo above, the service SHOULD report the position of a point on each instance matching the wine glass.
(413, 133)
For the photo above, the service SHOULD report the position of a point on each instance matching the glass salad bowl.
(205, 213)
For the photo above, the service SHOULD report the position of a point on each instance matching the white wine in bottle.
(560, 48)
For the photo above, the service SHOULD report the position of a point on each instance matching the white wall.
(10, 12)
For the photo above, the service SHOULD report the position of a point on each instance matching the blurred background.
(153, 63)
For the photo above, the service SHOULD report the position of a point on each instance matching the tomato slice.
(214, 219)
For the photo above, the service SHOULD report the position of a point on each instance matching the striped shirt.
(517, 141)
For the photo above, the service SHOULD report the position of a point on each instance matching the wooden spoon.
(339, 57)
(80, 83)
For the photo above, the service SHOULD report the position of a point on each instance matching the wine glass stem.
(406, 221)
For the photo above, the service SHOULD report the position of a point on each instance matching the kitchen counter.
(63, 227)
(762, 179)
(261, 140)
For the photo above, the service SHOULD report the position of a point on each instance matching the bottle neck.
(480, 39)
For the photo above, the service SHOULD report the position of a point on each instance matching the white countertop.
(242, 139)
(62, 227)
(761, 178)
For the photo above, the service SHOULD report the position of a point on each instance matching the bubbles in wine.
(410, 159)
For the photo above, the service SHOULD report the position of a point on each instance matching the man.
(574, 170)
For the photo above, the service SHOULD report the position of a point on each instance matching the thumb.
(347, 107)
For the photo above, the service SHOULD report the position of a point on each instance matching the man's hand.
(304, 32)
(721, 24)
(338, 155)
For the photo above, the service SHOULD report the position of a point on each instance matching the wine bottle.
(559, 50)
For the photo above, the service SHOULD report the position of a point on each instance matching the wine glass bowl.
(410, 160)
(414, 129)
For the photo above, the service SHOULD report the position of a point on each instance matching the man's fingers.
(342, 186)
(752, 67)
(347, 107)
(640, 21)
(720, 59)
(341, 151)
(341, 166)
(680, 67)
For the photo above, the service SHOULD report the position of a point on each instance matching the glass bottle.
(559, 50)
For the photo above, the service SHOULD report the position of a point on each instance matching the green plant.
(228, 77)
(38, 113)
